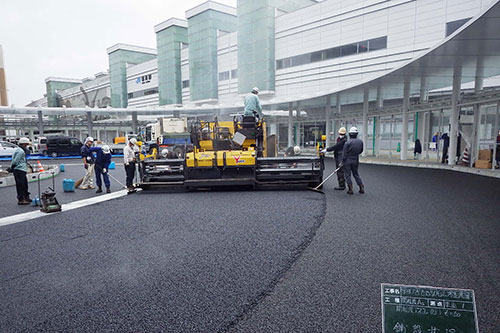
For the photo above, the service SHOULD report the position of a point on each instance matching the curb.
(32, 177)
(474, 171)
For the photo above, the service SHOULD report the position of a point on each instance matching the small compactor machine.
(231, 153)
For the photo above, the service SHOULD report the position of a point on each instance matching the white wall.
(411, 28)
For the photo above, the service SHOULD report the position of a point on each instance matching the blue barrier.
(61, 167)
(41, 157)
(112, 166)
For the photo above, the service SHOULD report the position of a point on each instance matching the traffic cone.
(40, 166)
(465, 157)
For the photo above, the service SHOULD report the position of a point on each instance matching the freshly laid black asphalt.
(253, 261)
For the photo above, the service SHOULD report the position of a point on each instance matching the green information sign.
(418, 309)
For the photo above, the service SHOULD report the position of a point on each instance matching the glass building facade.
(119, 56)
(170, 38)
(203, 29)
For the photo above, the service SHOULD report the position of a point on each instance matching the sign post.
(419, 309)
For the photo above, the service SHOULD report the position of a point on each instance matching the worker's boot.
(341, 187)
(350, 189)
(99, 190)
(361, 188)
(23, 201)
(108, 190)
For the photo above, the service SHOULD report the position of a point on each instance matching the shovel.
(316, 189)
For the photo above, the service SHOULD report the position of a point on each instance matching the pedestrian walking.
(129, 162)
(337, 149)
(88, 163)
(102, 162)
(446, 145)
(19, 167)
(417, 150)
(350, 160)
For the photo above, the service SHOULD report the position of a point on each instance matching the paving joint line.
(65, 207)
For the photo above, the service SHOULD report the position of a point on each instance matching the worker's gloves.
(323, 151)
(104, 170)
(86, 166)
(9, 170)
(341, 164)
(89, 158)
(127, 164)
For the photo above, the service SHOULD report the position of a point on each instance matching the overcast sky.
(69, 38)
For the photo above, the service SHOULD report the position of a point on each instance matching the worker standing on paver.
(129, 162)
(19, 166)
(292, 151)
(101, 167)
(252, 104)
(88, 164)
(350, 159)
(337, 149)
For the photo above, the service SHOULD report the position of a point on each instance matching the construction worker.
(292, 151)
(350, 159)
(129, 160)
(168, 154)
(252, 104)
(101, 167)
(337, 149)
(88, 164)
(19, 167)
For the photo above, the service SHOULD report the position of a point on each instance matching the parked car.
(7, 148)
(62, 145)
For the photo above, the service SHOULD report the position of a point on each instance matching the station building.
(318, 65)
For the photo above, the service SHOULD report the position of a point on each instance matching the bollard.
(112, 166)
(61, 167)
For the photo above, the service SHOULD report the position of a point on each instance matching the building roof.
(210, 5)
(170, 22)
(133, 48)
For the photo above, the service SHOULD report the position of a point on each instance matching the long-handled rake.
(317, 188)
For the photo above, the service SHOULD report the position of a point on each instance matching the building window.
(223, 76)
(141, 93)
(185, 84)
(377, 43)
(349, 49)
(151, 92)
(301, 59)
(317, 56)
(332, 53)
(453, 26)
(184, 45)
(363, 46)
(234, 74)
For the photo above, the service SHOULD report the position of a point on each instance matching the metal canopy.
(475, 48)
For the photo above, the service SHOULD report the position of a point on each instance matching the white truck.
(171, 133)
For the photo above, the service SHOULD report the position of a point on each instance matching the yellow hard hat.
(342, 131)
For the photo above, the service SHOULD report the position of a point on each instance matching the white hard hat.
(24, 141)
(106, 149)
(353, 130)
(296, 150)
(89, 139)
(133, 141)
(164, 152)
(342, 130)
(255, 89)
